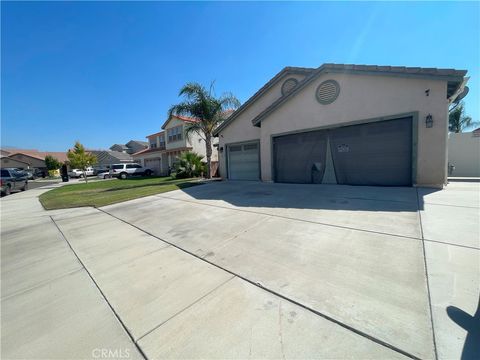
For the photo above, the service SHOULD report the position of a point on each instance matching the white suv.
(125, 170)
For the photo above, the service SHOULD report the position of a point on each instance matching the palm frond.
(229, 101)
(194, 128)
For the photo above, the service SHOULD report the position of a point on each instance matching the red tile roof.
(186, 118)
(147, 151)
(158, 133)
(61, 156)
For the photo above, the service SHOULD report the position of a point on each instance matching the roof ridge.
(412, 71)
(262, 90)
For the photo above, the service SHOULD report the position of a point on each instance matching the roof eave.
(327, 68)
(260, 92)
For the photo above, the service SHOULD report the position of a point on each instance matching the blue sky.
(107, 72)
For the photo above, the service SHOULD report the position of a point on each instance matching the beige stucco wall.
(361, 97)
(197, 144)
(464, 154)
(9, 162)
(33, 162)
(176, 144)
(241, 128)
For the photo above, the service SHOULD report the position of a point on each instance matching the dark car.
(12, 180)
(29, 173)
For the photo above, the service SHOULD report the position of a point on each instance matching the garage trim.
(413, 115)
(254, 141)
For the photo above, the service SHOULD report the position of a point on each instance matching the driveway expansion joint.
(451, 244)
(42, 283)
(101, 293)
(256, 284)
(426, 276)
(186, 307)
(293, 219)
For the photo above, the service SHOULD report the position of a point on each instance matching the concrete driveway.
(245, 270)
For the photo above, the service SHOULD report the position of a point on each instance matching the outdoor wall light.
(429, 121)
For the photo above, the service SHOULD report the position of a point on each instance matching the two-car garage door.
(375, 153)
(378, 153)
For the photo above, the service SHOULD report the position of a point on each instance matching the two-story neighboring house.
(165, 146)
(130, 147)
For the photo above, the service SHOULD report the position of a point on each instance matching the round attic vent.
(289, 85)
(327, 92)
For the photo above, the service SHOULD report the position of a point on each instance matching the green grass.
(101, 193)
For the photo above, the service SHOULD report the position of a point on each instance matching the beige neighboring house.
(344, 124)
(6, 162)
(165, 146)
(464, 153)
(32, 160)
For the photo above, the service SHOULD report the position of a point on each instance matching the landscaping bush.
(189, 165)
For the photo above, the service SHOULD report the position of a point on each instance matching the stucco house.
(343, 124)
(130, 147)
(105, 158)
(166, 145)
(32, 160)
(7, 162)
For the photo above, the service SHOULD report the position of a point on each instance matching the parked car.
(77, 173)
(12, 180)
(99, 170)
(123, 171)
(104, 175)
(29, 173)
(32, 174)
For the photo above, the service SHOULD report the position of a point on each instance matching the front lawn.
(101, 193)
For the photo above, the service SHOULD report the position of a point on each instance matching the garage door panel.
(373, 154)
(154, 165)
(243, 161)
(378, 153)
(300, 158)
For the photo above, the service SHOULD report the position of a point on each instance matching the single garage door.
(243, 161)
(378, 153)
(154, 165)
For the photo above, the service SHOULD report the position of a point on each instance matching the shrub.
(52, 163)
(189, 165)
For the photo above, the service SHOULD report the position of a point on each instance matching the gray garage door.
(243, 161)
(154, 164)
(300, 158)
(376, 153)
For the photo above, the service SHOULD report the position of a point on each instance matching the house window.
(174, 134)
(153, 145)
(162, 142)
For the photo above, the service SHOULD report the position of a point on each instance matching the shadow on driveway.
(312, 196)
(471, 324)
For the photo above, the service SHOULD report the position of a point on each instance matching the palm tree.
(189, 165)
(210, 111)
(457, 120)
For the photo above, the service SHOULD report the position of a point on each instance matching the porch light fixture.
(429, 121)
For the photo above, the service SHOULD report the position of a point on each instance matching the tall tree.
(458, 120)
(81, 159)
(209, 110)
